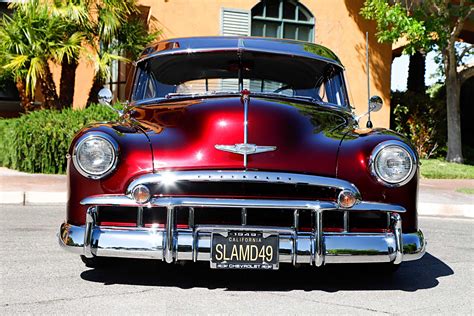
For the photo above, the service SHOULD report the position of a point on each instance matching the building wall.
(338, 26)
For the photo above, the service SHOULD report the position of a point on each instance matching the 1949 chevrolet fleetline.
(243, 152)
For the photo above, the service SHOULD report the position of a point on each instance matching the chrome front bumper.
(194, 244)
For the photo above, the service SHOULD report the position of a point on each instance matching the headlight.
(95, 155)
(393, 163)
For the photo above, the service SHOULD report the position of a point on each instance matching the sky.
(400, 71)
(400, 68)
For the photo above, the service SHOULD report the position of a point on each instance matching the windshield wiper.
(283, 96)
(261, 94)
(198, 94)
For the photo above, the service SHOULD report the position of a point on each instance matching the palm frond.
(16, 62)
(35, 71)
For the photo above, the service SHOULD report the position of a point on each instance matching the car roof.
(194, 45)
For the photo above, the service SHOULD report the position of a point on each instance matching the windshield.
(230, 72)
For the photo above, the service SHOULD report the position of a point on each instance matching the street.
(38, 277)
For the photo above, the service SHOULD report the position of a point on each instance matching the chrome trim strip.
(375, 206)
(236, 49)
(168, 177)
(121, 200)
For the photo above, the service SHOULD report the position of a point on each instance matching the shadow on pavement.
(411, 276)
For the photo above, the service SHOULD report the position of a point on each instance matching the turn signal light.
(141, 194)
(346, 199)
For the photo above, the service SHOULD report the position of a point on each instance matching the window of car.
(218, 72)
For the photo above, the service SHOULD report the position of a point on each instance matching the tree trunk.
(25, 99)
(416, 73)
(68, 80)
(453, 92)
(96, 86)
(48, 89)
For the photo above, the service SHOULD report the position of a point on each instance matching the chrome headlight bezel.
(401, 145)
(112, 165)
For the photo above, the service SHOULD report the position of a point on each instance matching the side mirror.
(375, 103)
(105, 96)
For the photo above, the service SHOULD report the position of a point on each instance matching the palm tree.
(40, 32)
(121, 33)
(29, 39)
(75, 15)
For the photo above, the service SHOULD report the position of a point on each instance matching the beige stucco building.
(332, 23)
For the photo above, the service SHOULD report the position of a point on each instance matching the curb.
(54, 198)
(450, 210)
(33, 198)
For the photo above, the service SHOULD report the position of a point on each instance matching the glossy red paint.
(353, 166)
(135, 158)
(183, 135)
(180, 135)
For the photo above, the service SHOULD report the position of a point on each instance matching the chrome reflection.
(194, 245)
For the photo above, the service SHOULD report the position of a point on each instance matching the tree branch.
(465, 51)
(465, 72)
(460, 23)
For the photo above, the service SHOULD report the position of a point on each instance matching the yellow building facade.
(335, 24)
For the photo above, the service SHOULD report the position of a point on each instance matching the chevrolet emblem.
(245, 149)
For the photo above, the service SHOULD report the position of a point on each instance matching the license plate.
(244, 250)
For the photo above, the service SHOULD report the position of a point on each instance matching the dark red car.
(243, 152)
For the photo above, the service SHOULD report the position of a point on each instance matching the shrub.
(422, 118)
(38, 141)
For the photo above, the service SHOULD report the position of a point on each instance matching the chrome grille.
(188, 217)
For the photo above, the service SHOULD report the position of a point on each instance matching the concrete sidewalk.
(436, 197)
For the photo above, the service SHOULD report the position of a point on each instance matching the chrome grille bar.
(168, 177)
(122, 200)
(319, 247)
(169, 240)
(295, 235)
(91, 220)
(243, 216)
(140, 216)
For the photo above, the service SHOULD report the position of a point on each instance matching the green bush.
(421, 118)
(38, 141)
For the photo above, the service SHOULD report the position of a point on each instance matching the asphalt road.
(40, 278)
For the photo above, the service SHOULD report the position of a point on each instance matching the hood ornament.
(245, 149)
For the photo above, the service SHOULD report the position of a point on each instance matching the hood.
(184, 134)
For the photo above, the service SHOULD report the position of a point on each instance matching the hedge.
(37, 142)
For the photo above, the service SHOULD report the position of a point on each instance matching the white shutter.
(235, 22)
